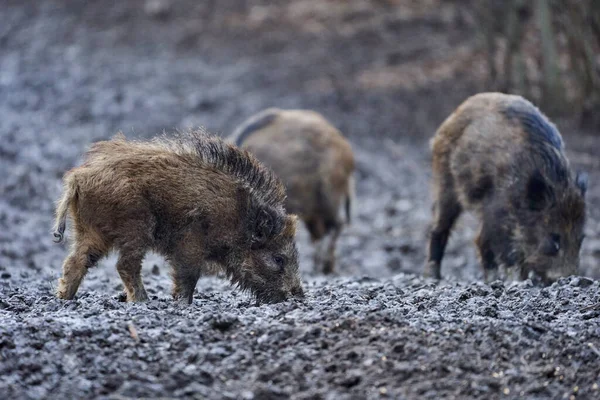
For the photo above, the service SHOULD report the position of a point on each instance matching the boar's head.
(549, 225)
(270, 268)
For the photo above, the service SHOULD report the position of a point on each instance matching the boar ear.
(537, 191)
(581, 180)
(263, 228)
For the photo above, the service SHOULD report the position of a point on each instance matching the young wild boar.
(500, 157)
(315, 163)
(198, 201)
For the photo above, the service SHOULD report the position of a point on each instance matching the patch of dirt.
(386, 73)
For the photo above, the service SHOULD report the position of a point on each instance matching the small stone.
(224, 322)
(6, 275)
(582, 281)
(155, 270)
(497, 285)
(157, 8)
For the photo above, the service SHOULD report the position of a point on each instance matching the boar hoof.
(63, 292)
(491, 275)
(432, 270)
(328, 267)
(63, 296)
(140, 297)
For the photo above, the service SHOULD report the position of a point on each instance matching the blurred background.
(385, 72)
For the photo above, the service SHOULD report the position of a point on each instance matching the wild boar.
(500, 157)
(315, 163)
(201, 203)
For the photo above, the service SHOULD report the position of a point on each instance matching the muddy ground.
(386, 73)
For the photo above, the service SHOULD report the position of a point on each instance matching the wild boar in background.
(200, 202)
(500, 157)
(315, 163)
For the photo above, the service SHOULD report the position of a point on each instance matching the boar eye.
(280, 260)
(258, 241)
(552, 245)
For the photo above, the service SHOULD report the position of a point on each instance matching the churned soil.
(386, 73)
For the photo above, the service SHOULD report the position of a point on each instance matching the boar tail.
(62, 207)
(350, 198)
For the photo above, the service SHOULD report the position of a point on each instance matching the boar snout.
(298, 292)
(551, 246)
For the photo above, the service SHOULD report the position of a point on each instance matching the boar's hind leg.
(445, 212)
(317, 231)
(329, 260)
(75, 267)
(129, 268)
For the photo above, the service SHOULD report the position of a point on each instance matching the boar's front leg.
(446, 210)
(185, 279)
(487, 257)
(129, 268)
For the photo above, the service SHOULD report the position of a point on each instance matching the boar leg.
(85, 254)
(486, 255)
(446, 210)
(185, 277)
(187, 265)
(129, 268)
(184, 283)
(316, 229)
(329, 261)
(74, 270)
(318, 254)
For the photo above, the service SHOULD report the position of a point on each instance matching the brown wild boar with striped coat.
(498, 156)
(202, 203)
(314, 161)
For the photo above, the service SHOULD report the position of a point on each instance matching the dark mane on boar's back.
(537, 126)
(240, 164)
(203, 204)
(543, 137)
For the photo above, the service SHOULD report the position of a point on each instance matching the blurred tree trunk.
(552, 88)
(579, 24)
(488, 18)
(566, 30)
(513, 58)
(595, 17)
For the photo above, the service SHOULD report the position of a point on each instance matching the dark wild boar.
(500, 157)
(315, 163)
(202, 203)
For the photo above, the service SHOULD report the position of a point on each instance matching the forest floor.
(386, 74)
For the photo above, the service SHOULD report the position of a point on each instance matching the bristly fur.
(203, 204)
(537, 126)
(499, 156)
(223, 156)
(316, 164)
(545, 140)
